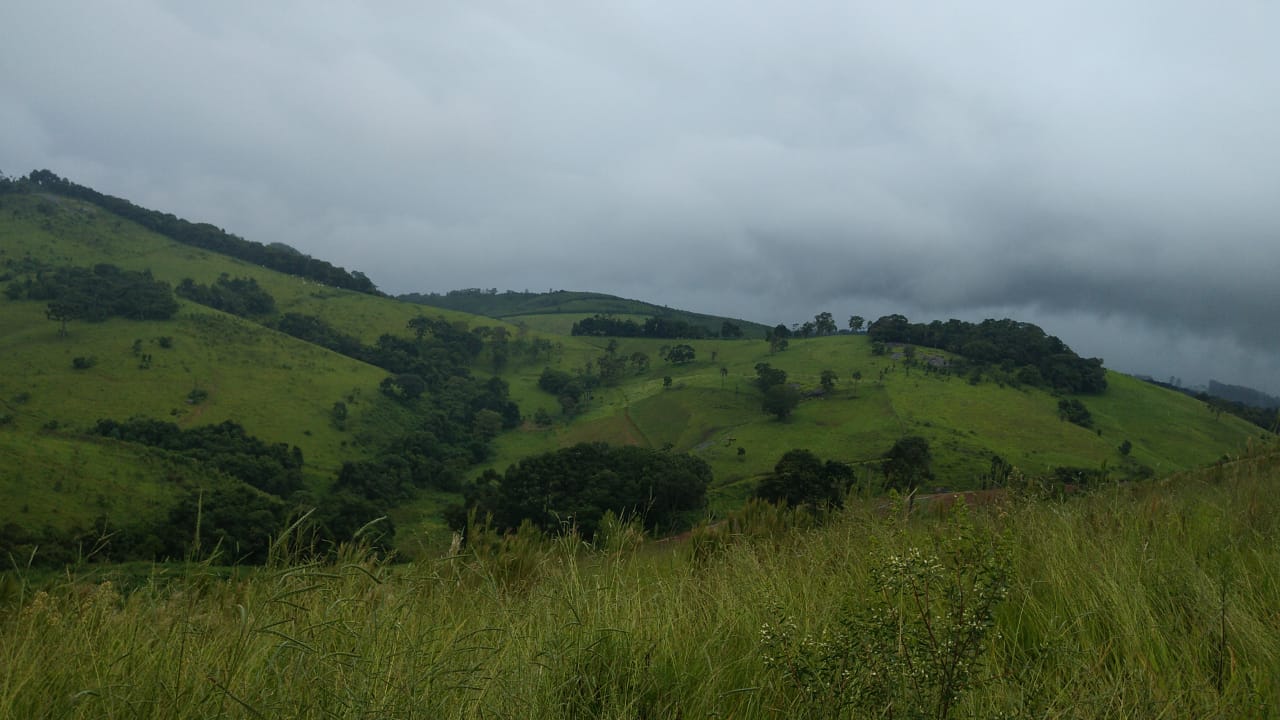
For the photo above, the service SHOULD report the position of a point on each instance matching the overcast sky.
(1109, 170)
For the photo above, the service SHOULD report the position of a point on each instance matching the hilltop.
(394, 408)
(557, 310)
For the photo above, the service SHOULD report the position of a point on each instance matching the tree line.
(653, 327)
(238, 296)
(1023, 349)
(576, 486)
(202, 235)
(95, 294)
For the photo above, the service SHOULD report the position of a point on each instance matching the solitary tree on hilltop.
(856, 322)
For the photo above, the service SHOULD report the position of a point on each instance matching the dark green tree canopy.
(781, 400)
(238, 296)
(1074, 411)
(824, 324)
(680, 354)
(1009, 343)
(801, 478)
(767, 376)
(653, 327)
(908, 464)
(97, 293)
(577, 485)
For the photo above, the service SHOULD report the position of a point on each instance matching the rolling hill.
(557, 310)
(203, 367)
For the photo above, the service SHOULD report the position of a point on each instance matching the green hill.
(203, 367)
(279, 388)
(557, 310)
(714, 416)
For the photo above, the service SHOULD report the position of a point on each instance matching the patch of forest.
(653, 327)
(1032, 356)
(238, 296)
(93, 294)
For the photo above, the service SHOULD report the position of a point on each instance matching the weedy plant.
(910, 645)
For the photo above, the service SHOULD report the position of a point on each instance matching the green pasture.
(282, 390)
(278, 388)
(62, 482)
(713, 415)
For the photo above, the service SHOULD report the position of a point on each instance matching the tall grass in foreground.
(1160, 600)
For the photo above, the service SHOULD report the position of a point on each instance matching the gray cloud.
(1104, 170)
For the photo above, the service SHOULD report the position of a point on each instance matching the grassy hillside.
(279, 388)
(282, 389)
(713, 416)
(1158, 600)
(537, 307)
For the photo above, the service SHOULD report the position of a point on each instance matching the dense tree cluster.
(95, 294)
(778, 397)
(767, 376)
(318, 332)
(654, 327)
(570, 390)
(802, 478)
(454, 427)
(437, 356)
(202, 235)
(238, 296)
(680, 354)
(576, 486)
(1016, 347)
(1074, 411)
(226, 447)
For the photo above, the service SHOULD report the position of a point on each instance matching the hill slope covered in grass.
(204, 367)
(718, 416)
(1154, 600)
(201, 367)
